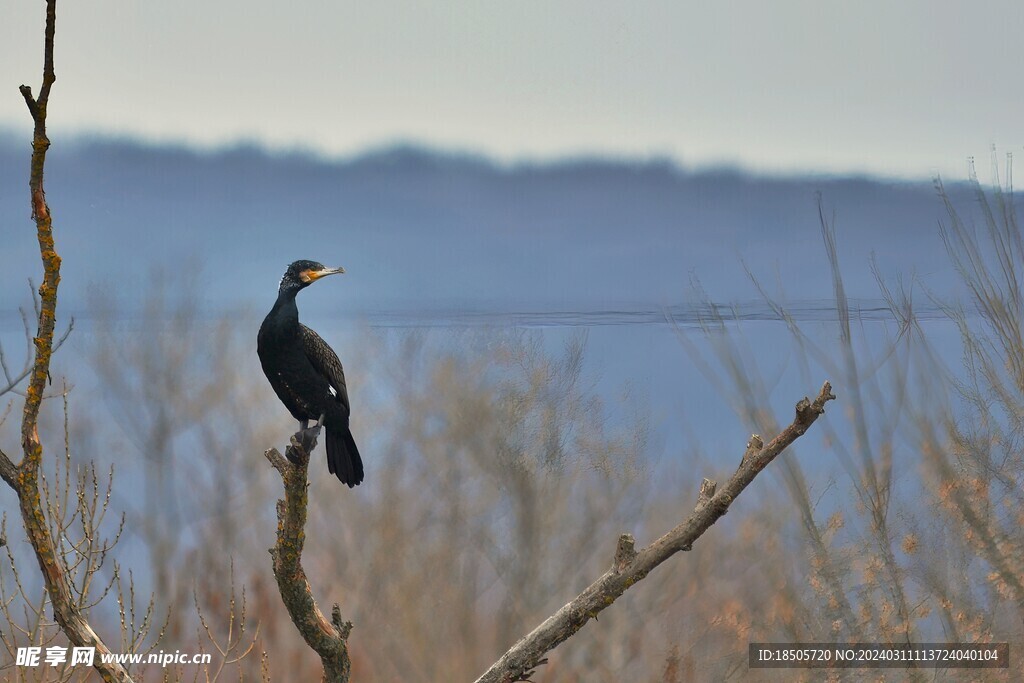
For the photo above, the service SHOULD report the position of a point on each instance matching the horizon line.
(9, 132)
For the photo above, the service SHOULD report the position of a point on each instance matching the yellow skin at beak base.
(313, 275)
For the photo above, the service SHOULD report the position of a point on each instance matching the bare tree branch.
(24, 477)
(630, 566)
(329, 639)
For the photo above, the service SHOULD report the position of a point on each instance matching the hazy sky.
(906, 88)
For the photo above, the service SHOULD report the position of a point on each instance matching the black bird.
(306, 373)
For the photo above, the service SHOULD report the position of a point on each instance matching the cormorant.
(306, 373)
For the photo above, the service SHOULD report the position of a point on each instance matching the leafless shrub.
(891, 557)
(76, 502)
(179, 388)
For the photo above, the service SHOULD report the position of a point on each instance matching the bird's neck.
(285, 311)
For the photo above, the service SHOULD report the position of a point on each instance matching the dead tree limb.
(24, 477)
(329, 639)
(630, 566)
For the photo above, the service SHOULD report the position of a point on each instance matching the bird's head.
(304, 273)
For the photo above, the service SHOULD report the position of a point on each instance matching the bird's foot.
(305, 439)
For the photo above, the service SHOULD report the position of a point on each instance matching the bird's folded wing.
(326, 362)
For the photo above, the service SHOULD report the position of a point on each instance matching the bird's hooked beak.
(314, 275)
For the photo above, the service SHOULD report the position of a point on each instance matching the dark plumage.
(306, 373)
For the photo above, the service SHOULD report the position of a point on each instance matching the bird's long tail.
(343, 458)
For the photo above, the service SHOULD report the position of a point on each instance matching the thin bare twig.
(14, 379)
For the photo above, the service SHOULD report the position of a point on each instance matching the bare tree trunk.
(329, 639)
(24, 477)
